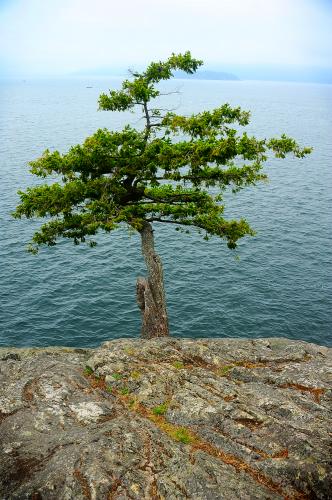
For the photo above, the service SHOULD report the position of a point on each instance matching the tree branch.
(147, 115)
(157, 219)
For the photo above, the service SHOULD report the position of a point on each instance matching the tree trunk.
(150, 291)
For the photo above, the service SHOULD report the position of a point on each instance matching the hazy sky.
(64, 36)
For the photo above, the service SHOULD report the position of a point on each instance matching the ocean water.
(275, 284)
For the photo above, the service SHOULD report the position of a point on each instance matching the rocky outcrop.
(167, 418)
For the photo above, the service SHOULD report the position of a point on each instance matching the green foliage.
(129, 351)
(160, 409)
(135, 375)
(162, 173)
(141, 89)
(88, 370)
(183, 436)
(117, 376)
(224, 370)
(124, 391)
(178, 365)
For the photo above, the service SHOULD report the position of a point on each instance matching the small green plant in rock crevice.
(224, 370)
(183, 436)
(135, 375)
(178, 365)
(160, 409)
(88, 370)
(124, 391)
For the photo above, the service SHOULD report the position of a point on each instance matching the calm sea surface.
(77, 296)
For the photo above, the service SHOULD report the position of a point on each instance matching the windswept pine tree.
(161, 173)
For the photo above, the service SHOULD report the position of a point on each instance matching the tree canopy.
(162, 172)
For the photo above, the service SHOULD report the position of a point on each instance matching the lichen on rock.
(167, 418)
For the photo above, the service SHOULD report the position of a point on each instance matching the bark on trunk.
(150, 291)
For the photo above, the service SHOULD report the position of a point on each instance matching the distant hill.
(235, 72)
(281, 73)
(207, 75)
(200, 75)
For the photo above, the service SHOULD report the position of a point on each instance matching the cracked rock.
(167, 419)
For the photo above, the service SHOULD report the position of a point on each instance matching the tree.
(160, 173)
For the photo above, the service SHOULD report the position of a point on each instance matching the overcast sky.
(63, 36)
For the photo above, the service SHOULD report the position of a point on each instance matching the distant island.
(199, 75)
(207, 75)
(234, 72)
(231, 72)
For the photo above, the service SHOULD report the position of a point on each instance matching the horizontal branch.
(154, 124)
(170, 93)
(155, 219)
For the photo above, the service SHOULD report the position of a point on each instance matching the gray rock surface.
(167, 418)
